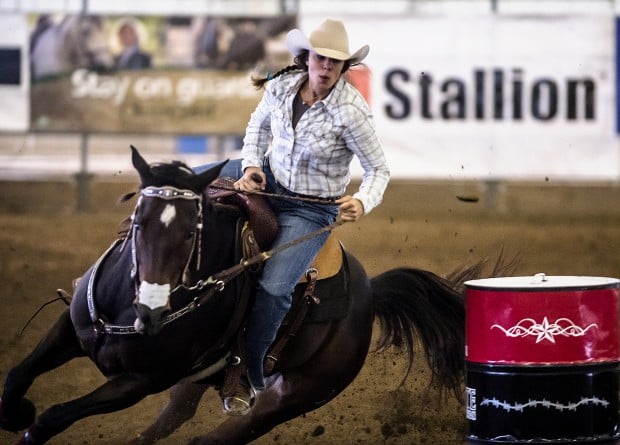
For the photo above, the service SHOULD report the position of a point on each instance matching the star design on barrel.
(545, 330)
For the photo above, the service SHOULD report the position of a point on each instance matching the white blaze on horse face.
(153, 295)
(167, 216)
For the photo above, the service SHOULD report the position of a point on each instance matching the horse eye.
(189, 234)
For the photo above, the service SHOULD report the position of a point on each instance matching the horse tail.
(415, 304)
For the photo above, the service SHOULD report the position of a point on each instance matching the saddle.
(263, 226)
(324, 277)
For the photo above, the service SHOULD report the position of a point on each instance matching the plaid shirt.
(314, 158)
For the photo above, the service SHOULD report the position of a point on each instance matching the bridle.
(168, 193)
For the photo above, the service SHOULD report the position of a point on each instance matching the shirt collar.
(330, 99)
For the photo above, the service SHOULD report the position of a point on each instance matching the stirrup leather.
(297, 317)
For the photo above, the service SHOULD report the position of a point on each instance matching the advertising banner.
(481, 96)
(489, 96)
(14, 83)
(186, 102)
(180, 75)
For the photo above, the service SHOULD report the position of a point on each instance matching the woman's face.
(323, 72)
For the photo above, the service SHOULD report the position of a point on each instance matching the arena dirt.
(556, 229)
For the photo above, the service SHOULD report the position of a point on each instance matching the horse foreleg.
(184, 399)
(58, 347)
(118, 393)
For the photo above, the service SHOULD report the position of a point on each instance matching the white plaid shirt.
(314, 158)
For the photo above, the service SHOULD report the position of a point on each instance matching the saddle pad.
(331, 291)
(329, 259)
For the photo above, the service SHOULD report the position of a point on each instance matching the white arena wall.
(460, 90)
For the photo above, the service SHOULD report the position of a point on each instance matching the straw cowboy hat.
(330, 39)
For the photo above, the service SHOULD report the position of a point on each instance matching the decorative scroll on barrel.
(542, 359)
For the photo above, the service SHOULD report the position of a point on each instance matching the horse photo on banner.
(76, 41)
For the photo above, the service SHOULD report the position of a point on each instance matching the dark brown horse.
(154, 313)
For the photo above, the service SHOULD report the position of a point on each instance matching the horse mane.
(174, 174)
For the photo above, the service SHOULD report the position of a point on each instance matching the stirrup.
(241, 402)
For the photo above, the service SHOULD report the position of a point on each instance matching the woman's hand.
(253, 179)
(349, 209)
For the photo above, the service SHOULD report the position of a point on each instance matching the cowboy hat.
(329, 40)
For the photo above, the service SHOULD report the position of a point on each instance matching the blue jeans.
(283, 270)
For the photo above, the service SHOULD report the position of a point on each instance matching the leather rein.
(214, 284)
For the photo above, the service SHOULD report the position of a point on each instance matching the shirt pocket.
(326, 149)
(279, 127)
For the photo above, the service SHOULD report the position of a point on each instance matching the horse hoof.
(22, 419)
(138, 440)
(27, 439)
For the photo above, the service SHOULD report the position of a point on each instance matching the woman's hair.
(300, 63)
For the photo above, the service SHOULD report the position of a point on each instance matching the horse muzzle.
(149, 321)
(152, 304)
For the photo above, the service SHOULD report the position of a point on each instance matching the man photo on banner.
(132, 56)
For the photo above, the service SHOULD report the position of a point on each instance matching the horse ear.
(208, 176)
(140, 164)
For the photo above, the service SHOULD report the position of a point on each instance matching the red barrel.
(542, 359)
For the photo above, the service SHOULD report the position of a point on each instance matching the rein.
(325, 201)
(221, 279)
(215, 283)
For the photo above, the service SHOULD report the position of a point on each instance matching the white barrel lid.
(542, 281)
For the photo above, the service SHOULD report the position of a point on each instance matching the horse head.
(166, 231)
(77, 41)
(85, 43)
